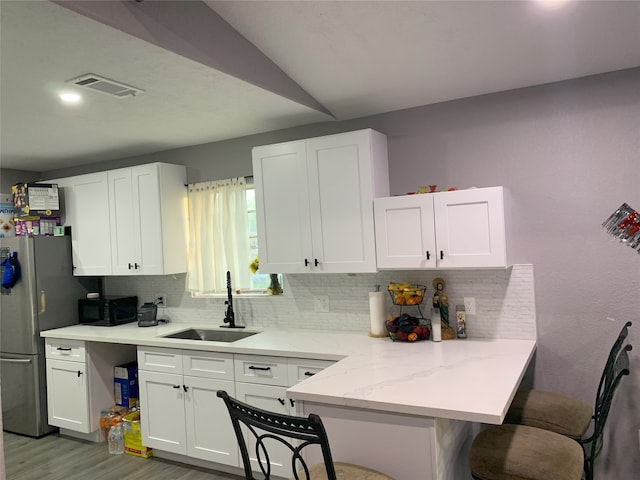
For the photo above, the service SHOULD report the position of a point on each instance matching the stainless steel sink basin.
(211, 335)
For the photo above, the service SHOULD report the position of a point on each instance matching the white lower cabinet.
(181, 413)
(68, 395)
(262, 381)
(80, 382)
(179, 409)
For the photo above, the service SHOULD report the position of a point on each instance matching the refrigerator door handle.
(43, 302)
(15, 360)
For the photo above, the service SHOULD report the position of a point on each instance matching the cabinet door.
(122, 214)
(87, 204)
(148, 221)
(272, 398)
(162, 418)
(405, 234)
(470, 229)
(341, 200)
(282, 207)
(210, 435)
(68, 395)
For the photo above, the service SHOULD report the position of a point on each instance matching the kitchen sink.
(211, 335)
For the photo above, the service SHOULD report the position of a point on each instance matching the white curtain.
(218, 236)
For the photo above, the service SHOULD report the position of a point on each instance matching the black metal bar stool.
(269, 428)
(519, 452)
(560, 413)
(523, 452)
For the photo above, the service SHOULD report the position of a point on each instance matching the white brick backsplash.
(505, 300)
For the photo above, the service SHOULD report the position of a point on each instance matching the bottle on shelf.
(116, 439)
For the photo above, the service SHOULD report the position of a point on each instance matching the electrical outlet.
(470, 305)
(321, 303)
(161, 298)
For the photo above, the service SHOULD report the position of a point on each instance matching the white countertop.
(467, 379)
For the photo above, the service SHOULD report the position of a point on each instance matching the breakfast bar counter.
(470, 379)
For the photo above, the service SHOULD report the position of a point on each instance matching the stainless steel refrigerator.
(45, 297)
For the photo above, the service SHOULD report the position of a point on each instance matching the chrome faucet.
(229, 316)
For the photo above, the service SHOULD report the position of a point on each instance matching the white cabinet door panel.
(208, 364)
(122, 218)
(148, 228)
(68, 395)
(470, 230)
(210, 435)
(273, 399)
(162, 418)
(261, 369)
(282, 207)
(87, 203)
(340, 191)
(405, 235)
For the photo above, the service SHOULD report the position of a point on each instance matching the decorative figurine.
(275, 288)
(441, 300)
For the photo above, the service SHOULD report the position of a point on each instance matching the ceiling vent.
(104, 85)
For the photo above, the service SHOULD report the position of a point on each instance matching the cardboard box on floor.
(133, 436)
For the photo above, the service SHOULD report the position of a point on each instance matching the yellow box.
(133, 436)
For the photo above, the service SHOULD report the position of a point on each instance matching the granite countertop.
(471, 379)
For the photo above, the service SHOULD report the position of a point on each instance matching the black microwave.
(108, 310)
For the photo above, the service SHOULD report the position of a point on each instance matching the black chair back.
(607, 374)
(593, 445)
(267, 427)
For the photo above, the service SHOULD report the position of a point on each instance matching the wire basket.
(406, 328)
(406, 294)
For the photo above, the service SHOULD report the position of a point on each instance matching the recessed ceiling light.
(70, 97)
(551, 4)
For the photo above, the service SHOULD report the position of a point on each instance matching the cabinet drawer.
(70, 350)
(208, 364)
(300, 369)
(261, 369)
(158, 359)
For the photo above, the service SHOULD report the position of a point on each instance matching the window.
(259, 281)
(223, 236)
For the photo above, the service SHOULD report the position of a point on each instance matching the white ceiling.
(355, 58)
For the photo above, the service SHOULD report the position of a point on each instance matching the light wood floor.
(60, 458)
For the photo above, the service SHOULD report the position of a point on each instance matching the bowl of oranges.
(406, 328)
(404, 293)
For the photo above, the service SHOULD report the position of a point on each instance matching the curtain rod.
(246, 177)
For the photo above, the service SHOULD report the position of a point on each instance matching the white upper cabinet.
(314, 202)
(147, 215)
(458, 229)
(129, 221)
(86, 205)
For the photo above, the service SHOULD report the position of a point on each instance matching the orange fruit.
(412, 337)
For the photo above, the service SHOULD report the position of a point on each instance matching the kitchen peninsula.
(409, 410)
